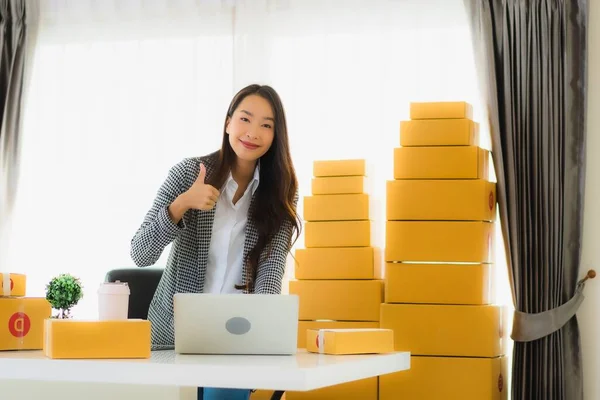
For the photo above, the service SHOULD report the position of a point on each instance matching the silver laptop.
(236, 324)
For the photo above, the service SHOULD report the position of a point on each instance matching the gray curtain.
(13, 34)
(531, 57)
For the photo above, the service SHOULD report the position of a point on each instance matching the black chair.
(142, 284)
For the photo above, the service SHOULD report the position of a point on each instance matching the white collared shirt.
(226, 251)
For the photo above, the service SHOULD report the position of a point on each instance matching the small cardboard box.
(448, 378)
(304, 326)
(13, 285)
(446, 330)
(469, 284)
(445, 200)
(73, 339)
(338, 300)
(326, 168)
(350, 341)
(262, 395)
(335, 263)
(339, 185)
(22, 322)
(337, 234)
(336, 207)
(439, 241)
(441, 110)
(364, 389)
(439, 132)
(441, 162)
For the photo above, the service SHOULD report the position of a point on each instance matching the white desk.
(304, 371)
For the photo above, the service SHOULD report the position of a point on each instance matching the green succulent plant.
(63, 292)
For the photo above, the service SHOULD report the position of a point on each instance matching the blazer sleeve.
(269, 276)
(157, 229)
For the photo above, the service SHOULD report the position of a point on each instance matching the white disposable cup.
(113, 301)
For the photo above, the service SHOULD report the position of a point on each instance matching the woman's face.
(251, 128)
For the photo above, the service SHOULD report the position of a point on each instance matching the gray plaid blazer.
(186, 265)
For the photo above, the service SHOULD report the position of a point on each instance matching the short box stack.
(335, 273)
(21, 318)
(440, 213)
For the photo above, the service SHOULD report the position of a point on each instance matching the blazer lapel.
(205, 226)
(249, 243)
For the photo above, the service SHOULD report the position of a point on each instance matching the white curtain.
(122, 90)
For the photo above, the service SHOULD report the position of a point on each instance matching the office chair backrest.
(142, 285)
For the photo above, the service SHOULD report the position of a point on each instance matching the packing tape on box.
(321, 341)
(5, 284)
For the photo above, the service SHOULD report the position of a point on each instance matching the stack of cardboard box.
(336, 278)
(21, 318)
(439, 236)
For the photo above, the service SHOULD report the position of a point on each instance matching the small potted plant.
(63, 292)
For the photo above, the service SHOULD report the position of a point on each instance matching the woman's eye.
(245, 119)
(267, 126)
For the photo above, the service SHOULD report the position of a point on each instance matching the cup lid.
(116, 287)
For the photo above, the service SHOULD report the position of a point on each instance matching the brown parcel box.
(22, 322)
(335, 263)
(336, 207)
(448, 378)
(439, 241)
(439, 283)
(442, 162)
(16, 284)
(338, 300)
(439, 132)
(441, 110)
(304, 326)
(364, 389)
(446, 330)
(80, 339)
(446, 200)
(339, 185)
(350, 341)
(337, 234)
(325, 168)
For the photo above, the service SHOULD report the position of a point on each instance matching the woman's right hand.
(201, 196)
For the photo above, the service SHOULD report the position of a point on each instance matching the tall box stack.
(440, 213)
(21, 318)
(335, 275)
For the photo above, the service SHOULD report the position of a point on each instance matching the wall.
(588, 315)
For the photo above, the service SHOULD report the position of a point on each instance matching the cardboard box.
(439, 283)
(22, 322)
(11, 284)
(441, 110)
(262, 395)
(339, 185)
(439, 132)
(335, 263)
(448, 378)
(441, 162)
(337, 234)
(439, 241)
(73, 339)
(336, 207)
(338, 300)
(350, 341)
(445, 200)
(364, 389)
(325, 168)
(446, 330)
(304, 326)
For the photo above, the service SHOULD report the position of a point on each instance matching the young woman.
(230, 216)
